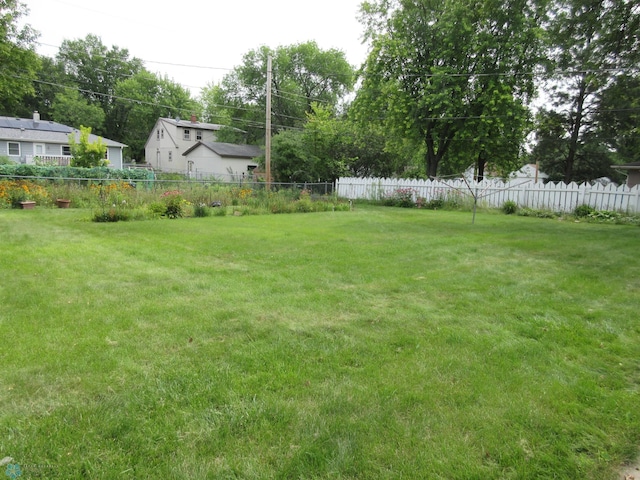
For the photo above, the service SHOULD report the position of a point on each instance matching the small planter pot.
(27, 205)
(63, 203)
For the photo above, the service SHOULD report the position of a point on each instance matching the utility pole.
(267, 140)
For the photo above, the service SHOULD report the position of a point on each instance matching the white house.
(170, 138)
(529, 172)
(27, 140)
(227, 161)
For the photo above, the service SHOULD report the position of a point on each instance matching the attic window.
(187, 134)
(162, 133)
(198, 134)
(157, 134)
(170, 155)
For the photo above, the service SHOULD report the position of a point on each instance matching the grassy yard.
(377, 343)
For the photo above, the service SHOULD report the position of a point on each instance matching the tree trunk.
(481, 162)
(575, 131)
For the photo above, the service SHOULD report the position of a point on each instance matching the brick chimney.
(194, 119)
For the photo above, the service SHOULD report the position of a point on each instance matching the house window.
(106, 154)
(198, 134)
(13, 148)
(162, 133)
(158, 134)
(66, 150)
(170, 155)
(187, 134)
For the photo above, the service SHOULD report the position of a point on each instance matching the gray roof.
(29, 130)
(189, 124)
(229, 149)
(628, 166)
(30, 124)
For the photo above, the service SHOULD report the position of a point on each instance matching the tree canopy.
(593, 48)
(18, 61)
(452, 71)
(301, 75)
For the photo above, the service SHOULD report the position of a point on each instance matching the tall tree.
(591, 43)
(301, 74)
(451, 70)
(18, 60)
(328, 147)
(70, 108)
(141, 100)
(618, 118)
(96, 70)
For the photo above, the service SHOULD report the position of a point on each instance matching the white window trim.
(186, 134)
(62, 147)
(198, 134)
(9, 151)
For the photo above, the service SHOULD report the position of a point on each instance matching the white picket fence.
(558, 197)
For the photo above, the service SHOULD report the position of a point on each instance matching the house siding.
(171, 139)
(204, 162)
(53, 136)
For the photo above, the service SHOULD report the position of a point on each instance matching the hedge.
(99, 173)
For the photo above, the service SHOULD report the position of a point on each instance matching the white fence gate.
(558, 197)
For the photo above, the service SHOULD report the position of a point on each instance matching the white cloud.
(205, 33)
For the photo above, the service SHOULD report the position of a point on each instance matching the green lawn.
(377, 343)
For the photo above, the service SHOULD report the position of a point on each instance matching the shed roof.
(628, 166)
(192, 124)
(229, 149)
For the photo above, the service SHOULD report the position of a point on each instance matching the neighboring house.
(170, 138)
(633, 172)
(26, 140)
(223, 160)
(528, 172)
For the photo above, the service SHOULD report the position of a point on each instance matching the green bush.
(157, 209)
(400, 197)
(530, 212)
(583, 211)
(200, 210)
(174, 204)
(510, 207)
(220, 211)
(111, 215)
(435, 204)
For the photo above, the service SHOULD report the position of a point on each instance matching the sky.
(196, 43)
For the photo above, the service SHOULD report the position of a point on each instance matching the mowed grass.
(377, 343)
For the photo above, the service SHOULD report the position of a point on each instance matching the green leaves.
(85, 153)
(448, 68)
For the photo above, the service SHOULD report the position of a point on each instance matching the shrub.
(200, 210)
(220, 211)
(111, 215)
(530, 212)
(583, 211)
(435, 204)
(510, 207)
(174, 203)
(604, 216)
(157, 209)
(400, 197)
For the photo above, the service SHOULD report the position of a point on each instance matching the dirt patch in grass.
(631, 471)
